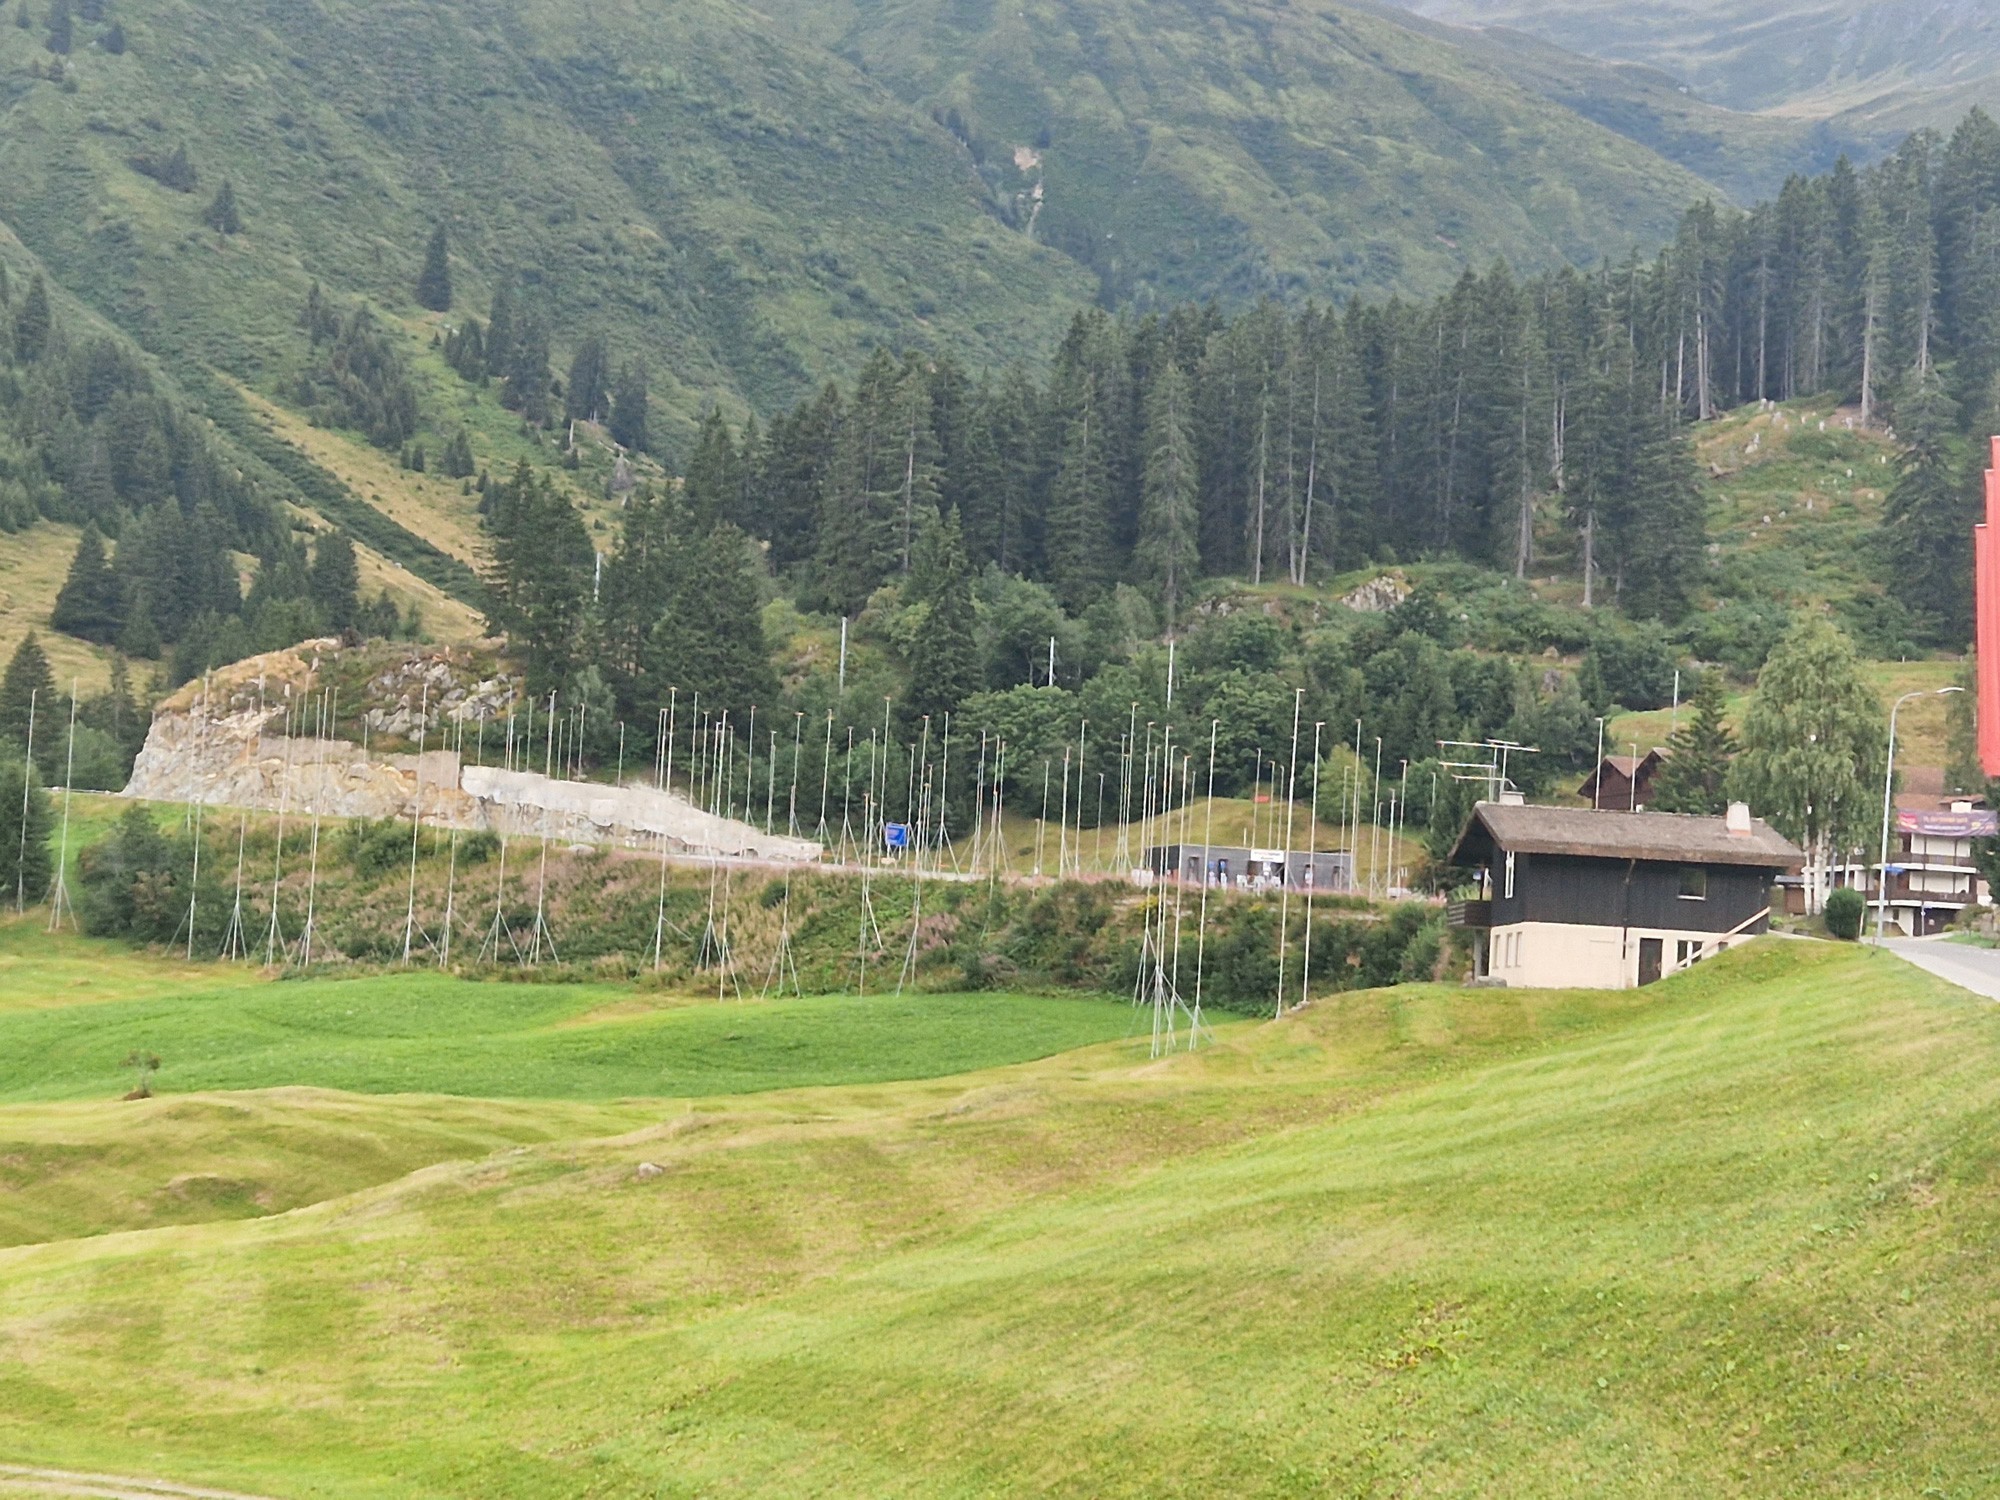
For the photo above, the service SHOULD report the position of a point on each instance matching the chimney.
(1738, 819)
(1511, 798)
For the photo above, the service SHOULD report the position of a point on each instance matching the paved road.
(1975, 969)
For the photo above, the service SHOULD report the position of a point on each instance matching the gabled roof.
(1580, 831)
(1630, 767)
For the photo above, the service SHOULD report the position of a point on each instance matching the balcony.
(1469, 913)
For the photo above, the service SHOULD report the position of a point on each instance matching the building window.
(1508, 893)
(1694, 883)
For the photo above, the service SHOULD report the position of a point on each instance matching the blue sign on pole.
(896, 835)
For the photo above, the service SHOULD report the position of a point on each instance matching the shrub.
(1844, 910)
(1632, 666)
(376, 845)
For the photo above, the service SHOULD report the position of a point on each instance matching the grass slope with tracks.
(1727, 1235)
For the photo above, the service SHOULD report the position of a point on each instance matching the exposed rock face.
(1378, 595)
(214, 746)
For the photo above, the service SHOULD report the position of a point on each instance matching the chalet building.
(1576, 898)
(1932, 874)
(1251, 869)
(1623, 783)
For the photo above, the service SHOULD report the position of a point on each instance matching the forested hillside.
(753, 204)
(1520, 424)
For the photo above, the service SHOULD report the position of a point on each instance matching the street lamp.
(1888, 783)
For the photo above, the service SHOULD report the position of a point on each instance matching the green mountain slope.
(741, 208)
(1234, 149)
(1808, 58)
(1747, 155)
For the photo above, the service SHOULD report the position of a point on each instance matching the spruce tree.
(33, 323)
(465, 350)
(1169, 553)
(26, 868)
(27, 680)
(628, 407)
(794, 469)
(708, 636)
(178, 172)
(860, 527)
(1077, 526)
(318, 317)
(221, 214)
(335, 582)
(714, 477)
(500, 332)
(1926, 522)
(88, 605)
(62, 34)
(113, 40)
(140, 637)
(543, 563)
(1661, 529)
(526, 387)
(1699, 753)
(586, 395)
(944, 653)
(434, 281)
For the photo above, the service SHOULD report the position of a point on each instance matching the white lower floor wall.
(1567, 956)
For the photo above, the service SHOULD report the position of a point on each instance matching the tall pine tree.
(1169, 550)
(89, 606)
(1696, 774)
(944, 653)
(335, 582)
(1077, 540)
(1926, 522)
(628, 407)
(28, 686)
(434, 280)
(222, 215)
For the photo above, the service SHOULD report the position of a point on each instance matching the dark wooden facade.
(1632, 893)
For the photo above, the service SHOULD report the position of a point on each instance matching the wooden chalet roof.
(1580, 831)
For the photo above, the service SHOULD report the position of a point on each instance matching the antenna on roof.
(1492, 771)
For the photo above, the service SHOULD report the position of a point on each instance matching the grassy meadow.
(1726, 1235)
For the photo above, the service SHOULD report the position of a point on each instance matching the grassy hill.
(1721, 1236)
(754, 202)
(1238, 150)
(745, 210)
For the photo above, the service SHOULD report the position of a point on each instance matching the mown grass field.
(1730, 1235)
(425, 1032)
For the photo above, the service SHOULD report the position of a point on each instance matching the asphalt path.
(1975, 969)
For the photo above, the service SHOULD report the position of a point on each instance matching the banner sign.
(1950, 825)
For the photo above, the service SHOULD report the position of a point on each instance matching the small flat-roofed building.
(1252, 869)
(1575, 898)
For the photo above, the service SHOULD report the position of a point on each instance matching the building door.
(1649, 959)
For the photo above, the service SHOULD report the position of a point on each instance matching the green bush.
(1844, 910)
(377, 845)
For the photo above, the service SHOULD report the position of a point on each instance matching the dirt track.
(21, 1479)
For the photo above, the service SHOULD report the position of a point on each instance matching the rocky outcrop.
(215, 746)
